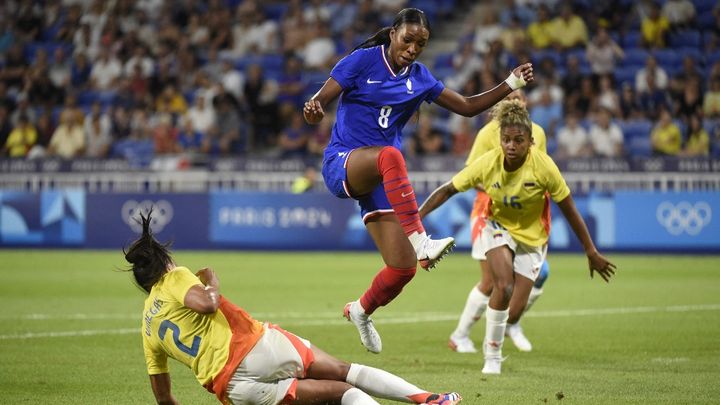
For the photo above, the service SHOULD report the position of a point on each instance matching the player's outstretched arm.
(313, 109)
(596, 261)
(474, 105)
(437, 198)
(160, 384)
(204, 299)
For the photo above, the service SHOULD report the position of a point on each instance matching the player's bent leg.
(317, 392)
(500, 260)
(475, 306)
(518, 302)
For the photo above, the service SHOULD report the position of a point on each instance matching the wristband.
(515, 82)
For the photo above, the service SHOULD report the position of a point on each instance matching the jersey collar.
(387, 64)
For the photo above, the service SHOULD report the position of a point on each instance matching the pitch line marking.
(332, 318)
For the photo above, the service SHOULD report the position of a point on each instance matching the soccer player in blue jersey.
(381, 85)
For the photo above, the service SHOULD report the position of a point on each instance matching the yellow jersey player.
(239, 359)
(488, 138)
(518, 180)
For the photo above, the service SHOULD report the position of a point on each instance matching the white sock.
(380, 383)
(474, 307)
(354, 396)
(495, 332)
(535, 293)
(416, 239)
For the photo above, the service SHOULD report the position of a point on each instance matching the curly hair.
(512, 113)
(149, 258)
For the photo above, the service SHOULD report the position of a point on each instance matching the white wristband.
(515, 82)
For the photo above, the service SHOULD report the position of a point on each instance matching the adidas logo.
(496, 185)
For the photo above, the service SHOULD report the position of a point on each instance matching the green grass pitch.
(70, 327)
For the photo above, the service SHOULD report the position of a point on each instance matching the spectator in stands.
(698, 140)
(711, 101)
(196, 31)
(291, 85)
(654, 27)
(293, 140)
(253, 33)
(666, 136)
(5, 127)
(569, 30)
(105, 71)
(305, 182)
(541, 31)
(432, 143)
(200, 116)
(465, 64)
(23, 108)
(653, 98)
(573, 140)
(141, 60)
(607, 97)
(165, 136)
(689, 103)
(171, 101)
(572, 79)
(45, 130)
(21, 139)
(603, 53)
(660, 77)
(5, 100)
(68, 141)
(688, 74)
(80, 71)
(606, 137)
(229, 136)
(319, 50)
(342, 16)
(232, 80)
(545, 110)
(98, 135)
(488, 31)
(513, 35)
(630, 108)
(320, 137)
(190, 140)
(60, 69)
(13, 70)
(679, 13)
(520, 10)
(261, 95)
(40, 90)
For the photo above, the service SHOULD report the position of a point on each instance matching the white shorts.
(527, 259)
(268, 374)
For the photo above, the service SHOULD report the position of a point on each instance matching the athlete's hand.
(207, 276)
(313, 112)
(599, 263)
(524, 72)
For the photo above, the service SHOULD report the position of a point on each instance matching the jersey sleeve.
(181, 280)
(347, 70)
(155, 360)
(471, 175)
(555, 183)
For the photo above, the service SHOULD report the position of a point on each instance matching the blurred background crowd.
(138, 79)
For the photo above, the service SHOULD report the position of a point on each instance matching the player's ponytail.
(149, 258)
(512, 113)
(405, 16)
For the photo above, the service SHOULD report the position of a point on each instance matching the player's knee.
(392, 155)
(543, 276)
(505, 287)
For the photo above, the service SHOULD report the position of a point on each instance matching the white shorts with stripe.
(527, 259)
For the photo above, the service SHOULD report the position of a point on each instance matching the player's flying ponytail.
(405, 16)
(150, 259)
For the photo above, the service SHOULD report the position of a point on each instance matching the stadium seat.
(635, 57)
(429, 7)
(275, 11)
(639, 146)
(540, 55)
(705, 21)
(635, 129)
(686, 39)
(704, 6)
(667, 58)
(631, 39)
(693, 53)
(626, 75)
(712, 58)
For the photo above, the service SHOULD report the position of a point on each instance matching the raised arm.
(474, 105)
(596, 261)
(160, 384)
(437, 198)
(204, 300)
(313, 111)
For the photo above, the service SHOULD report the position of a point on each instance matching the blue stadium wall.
(621, 221)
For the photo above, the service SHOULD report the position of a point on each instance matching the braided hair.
(149, 258)
(405, 16)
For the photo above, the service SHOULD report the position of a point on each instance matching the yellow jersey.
(517, 199)
(488, 138)
(212, 345)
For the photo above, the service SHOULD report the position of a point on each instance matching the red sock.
(386, 285)
(400, 193)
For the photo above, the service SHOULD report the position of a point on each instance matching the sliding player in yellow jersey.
(239, 359)
(488, 138)
(518, 180)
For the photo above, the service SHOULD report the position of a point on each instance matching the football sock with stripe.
(387, 284)
(399, 191)
(380, 383)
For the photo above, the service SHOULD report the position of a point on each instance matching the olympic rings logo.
(684, 217)
(162, 214)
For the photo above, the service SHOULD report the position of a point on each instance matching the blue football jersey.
(376, 103)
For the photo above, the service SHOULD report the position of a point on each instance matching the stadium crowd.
(136, 79)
